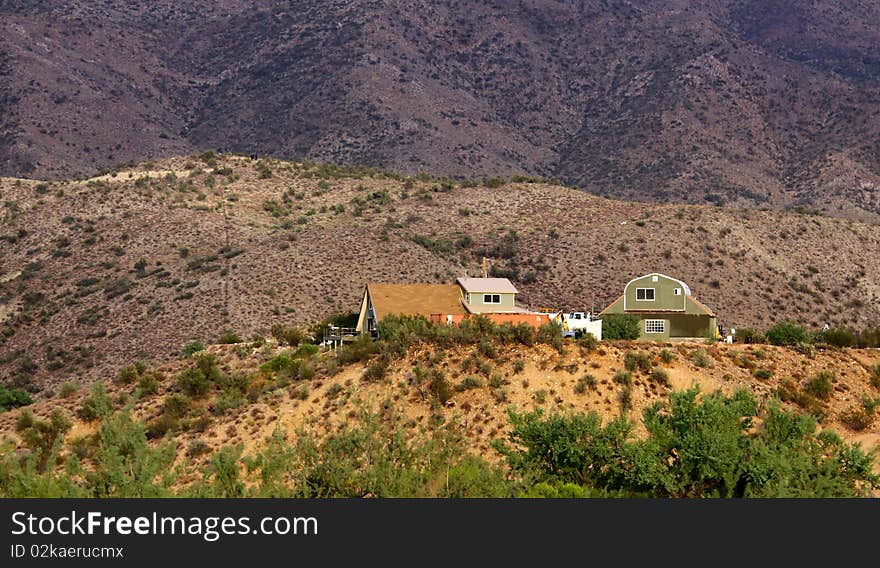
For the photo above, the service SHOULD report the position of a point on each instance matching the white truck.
(576, 324)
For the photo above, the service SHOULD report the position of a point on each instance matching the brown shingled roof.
(415, 299)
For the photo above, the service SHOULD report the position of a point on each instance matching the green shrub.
(519, 366)
(229, 338)
(660, 377)
(820, 385)
(68, 389)
(620, 326)
(468, 383)
(197, 380)
(762, 374)
(587, 381)
(697, 445)
(192, 348)
(287, 335)
(637, 361)
(623, 378)
(42, 436)
(96, 405)
(439, 387)
(748, 335)
(838, 337)
(376, 371)
(701, 359)
(148, 383)
(278, 363)
(588, 342)
(127, 375)
(787, 334)
(667, 356)
(875, 375)
(176, 405)
(360, 349)
(13, 398)
(550, 334)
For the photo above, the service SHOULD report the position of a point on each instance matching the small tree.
(787, 334)
(620, 326)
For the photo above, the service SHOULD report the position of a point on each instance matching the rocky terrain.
(744, 103)
(95, 274)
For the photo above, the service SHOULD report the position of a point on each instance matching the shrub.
(620, 326)
(360, 349)
(176, 405)
(660, 377)
(192, 348)
(551, 334)
(487, 349)
(127, 375)
(41, 436)
(587, 381)
(821, 385)
(875, 376)
(229, 338)
(13, 398)
(762, 374)
(667, 356)
(519, 366)
(701, 359)
(588, 342)
(376, 371)
(439, 387)
(148, 383)
(300, 393)
(697, 445)
(198, 379)
(68, 389)
(637, 361)
(287, 335)
(96, 405)
(859, 417)
(787, 334)
(623, 378)
(748, 335)
(468, 383)
(838, 337)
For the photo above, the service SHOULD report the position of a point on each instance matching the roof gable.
(415, 299)
(687, 289)
(487, 285)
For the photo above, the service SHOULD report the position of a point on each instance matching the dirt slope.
(96, 274)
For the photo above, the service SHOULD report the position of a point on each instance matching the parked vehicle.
(576, 324)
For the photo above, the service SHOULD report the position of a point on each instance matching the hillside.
(742, 103)
(263, 394)
(98, 273)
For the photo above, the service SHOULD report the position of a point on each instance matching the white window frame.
(677, 292)
(646, 299)
(655, 324)
(491, 298)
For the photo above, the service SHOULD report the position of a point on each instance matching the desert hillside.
(745, 103)
(97, 273)
(251, 395)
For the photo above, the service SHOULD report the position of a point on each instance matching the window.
(645, 294)
(655, 326)
(491, 298)
(678, 292)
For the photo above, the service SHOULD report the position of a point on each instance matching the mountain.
(744, 103)
(132, 265)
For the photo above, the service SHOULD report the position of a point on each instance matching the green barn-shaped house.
(666, 309)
